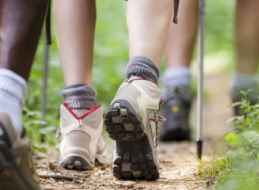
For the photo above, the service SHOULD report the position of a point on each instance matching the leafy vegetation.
(237, 169)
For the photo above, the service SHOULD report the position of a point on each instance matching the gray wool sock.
(177, 76)
(142, 67)
(241, 82)
(177, 80)
(79, 98)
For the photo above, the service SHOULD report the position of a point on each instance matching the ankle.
(241, 82)
(142, 67)
(177, 76)
(79, 98)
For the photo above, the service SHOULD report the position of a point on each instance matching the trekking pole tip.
(199, 148)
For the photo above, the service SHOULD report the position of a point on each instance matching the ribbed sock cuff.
(143, 67)
(241, 82)
(79, 96)
(177, 76)
(12, 86)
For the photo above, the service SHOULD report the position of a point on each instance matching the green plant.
(238, 168)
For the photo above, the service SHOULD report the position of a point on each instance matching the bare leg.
(148, 23)
(21, 24)
(181, 37)
(247, 36)
(75, 23)
(177, 77)
(247, 52)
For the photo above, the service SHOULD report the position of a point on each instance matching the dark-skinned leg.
(20, 32)
(20, 27)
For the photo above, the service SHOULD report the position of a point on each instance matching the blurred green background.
(110, 59)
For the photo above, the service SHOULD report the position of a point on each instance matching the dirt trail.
(176, 168)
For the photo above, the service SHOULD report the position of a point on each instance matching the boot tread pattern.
(76, 163)
(133, 158)
(122, 122)
(135, 164)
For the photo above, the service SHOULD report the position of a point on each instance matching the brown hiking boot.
(16, 166)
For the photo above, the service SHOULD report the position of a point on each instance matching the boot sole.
(76, 163)
(133, 158)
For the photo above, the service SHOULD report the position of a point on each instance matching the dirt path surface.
(176, 168)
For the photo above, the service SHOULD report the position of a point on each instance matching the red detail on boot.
(79, 122)
(85, 114)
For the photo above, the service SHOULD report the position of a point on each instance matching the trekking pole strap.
(48, 25)
(176, 7)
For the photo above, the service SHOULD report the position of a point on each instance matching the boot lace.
(159, 118)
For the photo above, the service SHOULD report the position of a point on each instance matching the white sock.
(177, 76)
(241, 82)
(12, 97)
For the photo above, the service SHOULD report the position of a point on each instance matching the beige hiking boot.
(16, 166)
(132, 121)
(82, 139)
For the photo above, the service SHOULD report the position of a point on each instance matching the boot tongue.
(79, 112)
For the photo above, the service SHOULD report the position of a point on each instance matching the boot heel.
(122, 122)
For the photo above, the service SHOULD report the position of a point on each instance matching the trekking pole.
(200, 75)
(47, 42)
(44, 86)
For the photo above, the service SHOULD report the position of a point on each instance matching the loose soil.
(177, 163)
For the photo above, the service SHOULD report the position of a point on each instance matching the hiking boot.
(16, 166)
(132, 121)
(82, 139)
(176, 109)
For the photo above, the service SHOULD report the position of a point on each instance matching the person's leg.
(20, 27)
(176, 79)
(148, 28)
(17, 48)
(146, 44)
(247, 48)
(75, 25)
(81, 120)
(181, 37)
(18, 44)
(132, 117)
(247, 36)
(75, 37)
